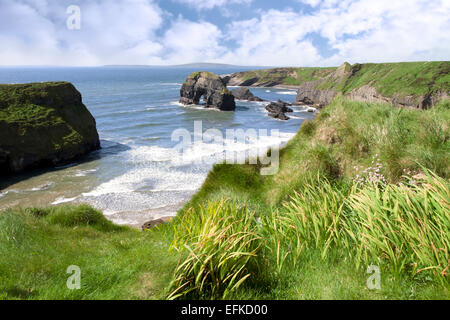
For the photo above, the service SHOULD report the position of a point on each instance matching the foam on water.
(290, 93)
(61, 200)
(42, 187)
(163, 176)
(84, 173)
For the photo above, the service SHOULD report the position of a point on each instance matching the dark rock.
(43, 124)
(279, 107)
(154, 223)
(211, 87)
(312, 93)
(244, 94)
(280, 116)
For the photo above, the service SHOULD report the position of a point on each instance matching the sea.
(139, 174)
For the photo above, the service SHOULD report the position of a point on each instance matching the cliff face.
(211, 87)
(314, 92)
(418, 85)
(276, 77)
(43, 124)
(409, 84)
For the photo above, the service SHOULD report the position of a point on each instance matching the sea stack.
(43, 124)
(211, 87)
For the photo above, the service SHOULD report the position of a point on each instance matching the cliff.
(418, 85)
(408, 84)
(43, 124)
(276, 77)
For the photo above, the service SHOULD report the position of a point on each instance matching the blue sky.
(243, 32)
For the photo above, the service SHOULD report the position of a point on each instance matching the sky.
(240, 32)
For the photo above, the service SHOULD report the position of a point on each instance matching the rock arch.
(211, 87)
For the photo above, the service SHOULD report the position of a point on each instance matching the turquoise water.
(137, 175)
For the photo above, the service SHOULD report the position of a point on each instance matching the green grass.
(350, 192)
(38, 245)
(287, 76)
(390, 79)
(223, 245)
(361, 184)
(407, 78)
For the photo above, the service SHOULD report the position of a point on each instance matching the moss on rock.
(43, 124)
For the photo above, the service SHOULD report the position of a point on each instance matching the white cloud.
(110, 31)
(188, 41)
(209, 4)
(140, 32)
(359, 30)
(276, 38)
(312, 3)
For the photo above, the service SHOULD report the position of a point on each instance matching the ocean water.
(138, 175)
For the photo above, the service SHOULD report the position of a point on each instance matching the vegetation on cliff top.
(405, 78)
(353, 189)
(47, 122)
(287, 76)
(203, 74)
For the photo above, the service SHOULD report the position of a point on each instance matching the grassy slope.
(405, 78)
(345, 140)
(288, 76)
(342, 142)
(37, 247)
(344, 135)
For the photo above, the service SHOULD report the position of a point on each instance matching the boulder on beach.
(43, 124)
(154, 223)
(211, 87)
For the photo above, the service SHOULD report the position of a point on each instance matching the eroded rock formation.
(211, 87)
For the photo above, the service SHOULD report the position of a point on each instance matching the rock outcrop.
(211, 87)
(154, 223)
(43, 124)
(244, 93)
(283, 77)
(344, 81)
(317, 93)
(278, 110)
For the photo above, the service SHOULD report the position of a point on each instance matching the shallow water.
(137, 175)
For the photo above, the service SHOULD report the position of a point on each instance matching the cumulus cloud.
(140, 32)
(188, 41)
(111, 31)
(275, 38)
(358, 31)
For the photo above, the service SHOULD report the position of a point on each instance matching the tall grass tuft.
(222, 245)
(404, 227)
(407, 225)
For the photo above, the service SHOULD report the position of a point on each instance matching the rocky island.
(43, 124)
(211, 87)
